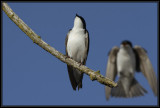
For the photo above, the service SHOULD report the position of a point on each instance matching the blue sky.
(32, 76)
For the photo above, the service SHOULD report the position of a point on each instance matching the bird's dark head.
(126, 42)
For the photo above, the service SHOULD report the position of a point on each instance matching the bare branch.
(37, 39)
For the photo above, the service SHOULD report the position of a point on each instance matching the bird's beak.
(124, 45)
(76, 15)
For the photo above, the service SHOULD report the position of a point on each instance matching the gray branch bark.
(37, 39)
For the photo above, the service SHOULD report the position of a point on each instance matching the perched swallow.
(77, 47)
(124, 62)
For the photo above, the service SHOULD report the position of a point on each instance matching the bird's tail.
(78, 75)
(75, 76)
(134, 90)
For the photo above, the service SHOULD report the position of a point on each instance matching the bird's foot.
(80, 64)
(66, 57)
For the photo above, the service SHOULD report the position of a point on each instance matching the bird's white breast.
(125, 62)
(76, 45)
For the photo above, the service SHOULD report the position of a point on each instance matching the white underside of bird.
(126, 68)
(76, 45)
(126, 62)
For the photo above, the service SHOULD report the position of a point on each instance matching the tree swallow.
(124, 61)
(77, 47)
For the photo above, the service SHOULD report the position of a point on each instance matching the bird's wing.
(66, 40)
(146, 68)
(70, 68)
(86, 45)
(111, 70)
